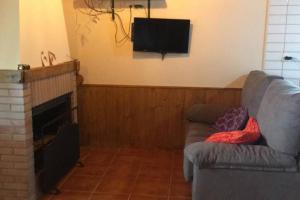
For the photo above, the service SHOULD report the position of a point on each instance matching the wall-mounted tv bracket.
(113, 9)
(149, 9)
(163, 55)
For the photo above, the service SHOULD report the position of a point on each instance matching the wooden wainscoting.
(138, 116)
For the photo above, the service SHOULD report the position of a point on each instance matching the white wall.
(42, 28)
(9, 34)
(227, 42)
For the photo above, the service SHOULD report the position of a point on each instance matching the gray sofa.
(267, 170)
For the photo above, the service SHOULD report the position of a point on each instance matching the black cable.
(116, 35)
(126, 35)
(130, 20)
(149, 9)
(122, 26)
(89, 14)
(90, 5)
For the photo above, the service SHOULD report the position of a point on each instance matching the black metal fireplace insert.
(56, 142)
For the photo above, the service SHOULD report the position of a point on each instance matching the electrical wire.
(94, 12)
(126, 35)
(90, 5)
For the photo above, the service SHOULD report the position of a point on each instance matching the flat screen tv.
(161, 35)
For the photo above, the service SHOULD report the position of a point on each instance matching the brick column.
(17, 179)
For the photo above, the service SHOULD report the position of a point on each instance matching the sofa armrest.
(244, 157)
(206, 113)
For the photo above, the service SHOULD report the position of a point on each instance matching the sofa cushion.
(233, 119)
(249, 135)
(279, 117)
(197, 132)
(232, 156)
(205, 113)
(254, 89)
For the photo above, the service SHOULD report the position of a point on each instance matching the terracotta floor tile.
(109, 197)
(155, 163)
(181, 189)
(72, 196)
(90, 170)
(180, 198)
(155, 173)
(124, 170)
(119, 173)
(80, 184)
(140, 197)
(151, 187)
(114, 185)
(96, 150)
(177, 175)
(98, 159)
(159, 160)
(134, 152)
(65, 178)
(84, 151)
(126, 159)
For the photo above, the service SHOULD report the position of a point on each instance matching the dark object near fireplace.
(60, 156)
(56, 141)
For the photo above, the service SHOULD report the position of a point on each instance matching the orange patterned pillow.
(247, 136)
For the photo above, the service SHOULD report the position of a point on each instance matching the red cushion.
(247, 136)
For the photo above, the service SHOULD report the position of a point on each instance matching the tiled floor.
(126, 174)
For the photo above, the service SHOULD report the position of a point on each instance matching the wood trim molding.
(153, 86)
(142, 116)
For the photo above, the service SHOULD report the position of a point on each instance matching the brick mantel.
(19, 92)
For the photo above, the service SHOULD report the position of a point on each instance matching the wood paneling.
(114, 116)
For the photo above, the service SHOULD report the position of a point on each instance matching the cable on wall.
(96, 11)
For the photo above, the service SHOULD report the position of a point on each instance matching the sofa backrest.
(279, 117)
(254, 89)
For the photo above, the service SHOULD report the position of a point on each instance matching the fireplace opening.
(56, 142)
(47, 119)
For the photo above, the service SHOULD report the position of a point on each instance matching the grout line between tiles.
(172, 173)
(140, 165)
(102, 177)
(136, 178)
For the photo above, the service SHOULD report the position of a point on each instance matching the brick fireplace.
(20, 91)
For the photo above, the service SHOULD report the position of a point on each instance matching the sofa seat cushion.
(244, 157)
(197, 132)
(279, 117)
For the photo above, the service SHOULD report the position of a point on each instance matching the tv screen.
(161, 35)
